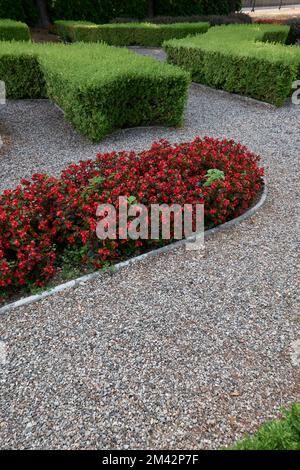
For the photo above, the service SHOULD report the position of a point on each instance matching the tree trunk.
(151, 8)
(44, 20)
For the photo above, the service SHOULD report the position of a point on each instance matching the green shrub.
(100, 88)
(20, 10)
(98, 11)
(102, 11)
(13, 10)
(239, 59)
(127, 34)
(282, 434)
(196, 7)
(10, 29)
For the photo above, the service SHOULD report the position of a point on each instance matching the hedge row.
(100, 88)
(10, 29)
(214, 20)
(130, 34)
(241, 59)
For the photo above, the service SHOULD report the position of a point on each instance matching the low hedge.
(250, 60)
(10, 29)
(100, 88)
(127, 34)
(214, 20)
(48, 223)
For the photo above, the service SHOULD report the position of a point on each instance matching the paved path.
(175, 352)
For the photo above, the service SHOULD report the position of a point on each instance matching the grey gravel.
(158, 53)
(179, 351)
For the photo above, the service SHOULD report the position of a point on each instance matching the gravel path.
(180, 351)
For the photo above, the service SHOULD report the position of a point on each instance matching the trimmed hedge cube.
(100, 88)
(14, 30)
(127, 34)
(250, 60)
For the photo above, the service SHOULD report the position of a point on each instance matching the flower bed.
(49, 221)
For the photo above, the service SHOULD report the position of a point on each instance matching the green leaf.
(214, 175)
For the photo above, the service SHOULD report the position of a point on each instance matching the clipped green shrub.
(283, 434)
(127, 34)
(10, 29)
(250, 60)
(100, 88)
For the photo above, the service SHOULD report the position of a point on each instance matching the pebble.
(176, 334)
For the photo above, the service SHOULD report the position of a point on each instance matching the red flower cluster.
(44, 218)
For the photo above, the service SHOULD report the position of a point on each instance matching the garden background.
(102, 11)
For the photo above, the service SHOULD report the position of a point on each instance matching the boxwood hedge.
(10, 29)
(127, 34)
(100, 88)
(250, 60)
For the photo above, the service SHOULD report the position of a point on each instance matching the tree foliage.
(102, 11)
